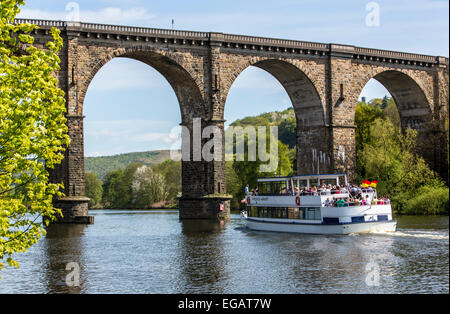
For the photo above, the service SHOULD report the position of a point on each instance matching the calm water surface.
(153, 252)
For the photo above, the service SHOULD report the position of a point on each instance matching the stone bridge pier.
(323, 81)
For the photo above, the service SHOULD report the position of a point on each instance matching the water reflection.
(155, 252)
(202, 256)
(62, 245)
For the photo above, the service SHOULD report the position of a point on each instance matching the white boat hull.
(348, 228)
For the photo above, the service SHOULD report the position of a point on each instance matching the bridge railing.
(141, 30)
(41, 23)
(231, 38)
(274, 42)
(394, 54)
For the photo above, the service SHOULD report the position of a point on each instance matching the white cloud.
(153, 137)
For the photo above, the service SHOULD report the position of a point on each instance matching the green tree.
(234, 184)
(94, 189)
(112, 189)
(249, 171)
(171, 171)
(33, 132)
(388, 157)
(124, 191)
(365, 115)
(148, 187)
(392, 113)
(287, 132)
(284, 161)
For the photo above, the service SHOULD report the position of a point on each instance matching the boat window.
(264, 188)
(312, 213)
(314, 182)
(253, 212)
(330, 220)
(264, 212)
(302, 183)
(358, 219)
(293, 213)
(279, 188)
(301, 213)
(273, 188)
(280, 213)
(328, 182)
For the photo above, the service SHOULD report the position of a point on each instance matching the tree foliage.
(148, 187)
(94, 189)
(33, 132)
(388, 157)
(140, 186)
(112, 189)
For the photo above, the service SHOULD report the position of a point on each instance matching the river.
(153, 252)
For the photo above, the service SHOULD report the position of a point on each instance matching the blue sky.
(131, 107)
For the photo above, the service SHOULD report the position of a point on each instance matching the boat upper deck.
(325, 190)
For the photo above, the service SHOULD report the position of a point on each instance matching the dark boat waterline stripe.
(319, 224)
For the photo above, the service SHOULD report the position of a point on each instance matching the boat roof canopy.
(274, 179)
(303, 177)
(321, 176)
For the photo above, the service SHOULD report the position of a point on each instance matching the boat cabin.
(290, 185)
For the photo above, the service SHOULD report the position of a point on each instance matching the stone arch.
(296, 80)
(185, 83)
(414, 105)
(182, 73)
(309, 106)
(413, 93)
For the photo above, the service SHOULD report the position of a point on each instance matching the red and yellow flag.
(366, 184)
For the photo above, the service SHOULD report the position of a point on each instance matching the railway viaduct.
(323, 81)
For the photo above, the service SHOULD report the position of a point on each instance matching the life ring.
(297, 200)
(248, 200)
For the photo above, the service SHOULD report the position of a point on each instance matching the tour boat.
(299, 205)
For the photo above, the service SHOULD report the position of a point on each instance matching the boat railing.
(287, 194)
(362, 203)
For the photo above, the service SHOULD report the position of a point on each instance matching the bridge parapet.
(244, 42)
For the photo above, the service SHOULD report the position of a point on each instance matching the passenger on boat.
(327, 203)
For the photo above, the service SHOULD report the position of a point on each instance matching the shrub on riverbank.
(429, 200)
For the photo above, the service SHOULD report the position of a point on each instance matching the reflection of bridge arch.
(324, 82)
